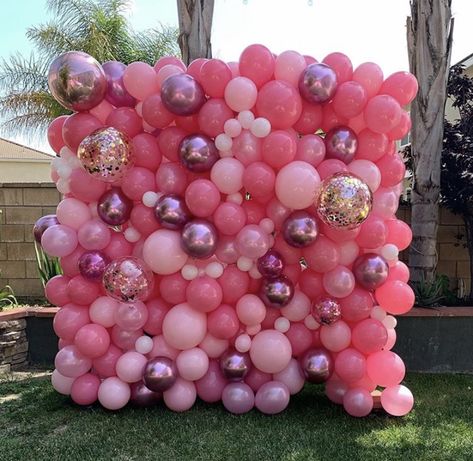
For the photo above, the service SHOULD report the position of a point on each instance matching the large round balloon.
(77, 81)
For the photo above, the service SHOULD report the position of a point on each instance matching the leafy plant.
(7, 297)
(435, 293)
(47, 267)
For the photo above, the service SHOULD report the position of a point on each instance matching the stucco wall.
(24, 172)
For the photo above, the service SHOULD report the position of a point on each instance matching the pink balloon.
(402, 128)
(167, 71)
(279, 148)
(167, 60)
(358, 402)
(250, 310)
(56, 290)
(77, 127)
(392, 170)
(223, 322)
(369, 336)
(397, 400)
(335, 389)
(280, 103)
(70, 263)
(118, 246)
(137, 181)
(104, 365)
(211, 385)
(69, 319)
(102, 110)
(402, 86)
(192, 364)
(310, 119)
(257, 63)
(169, 140)
(300, 338)
(184, 327)
(163, 253)
(371, 146)
(59, 240)
(130, 366)
(202, 197)
(214, 347)
(55, 139)
(341, 65)
(311, 149)
(125, 120)
(331, 166)
(140, 80)
(162, 349)
(367, 171)
(310, 282)
(296, 185)
(240, 94)
(181, 396)
(85, 187)
(213, 115)
(143, 219)
(370, 76)
(82, 291)
(215, 75)
(357, 305)
(73, 213)
(131, 316)
(204, 294)
(385, 203)
(291, 376)
(252, 241)
(157, 310)
(339, 282)
(399, 271)
(385, 368)
(146, 151)
(247, 148)
(171, 178)
(61, 384)
(350, 365)
(94, 235)
(335, 337)
(330, 119)
(172, 288)
(382, 113)
(350, 99)
(155, 113)
(92, 340)
(373, 233)
(395, 297)
(102, 311)
(125, 339)
(234, 284)
(270, 351)
(289, 66)
(259, 179)
(229, 218)
(70, 362)
(84, 390)
(114, 393)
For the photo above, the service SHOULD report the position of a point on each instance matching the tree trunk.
(429, 40)
(468, 218)
(195, 27)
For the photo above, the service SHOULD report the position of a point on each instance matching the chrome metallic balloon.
(370, 270)
(235, 365)
(300, 229)
(317, 83)
(106, 154)
(42, 224)
(181, 94)
(317, 365)
(160, 374)
(141, 396)
(114, 207)
(199, 238)
(116, 93)
(270, 264)
(198, 153)
(326, 310)
(341, 143)
(171, 211)
(277, 291)
(77, 81)
(344, 201)
(92, 265)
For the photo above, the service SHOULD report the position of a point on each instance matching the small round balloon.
(92, 265)
(326, 310)
(42, 224)
(370, 270)
(106, 154)
(277, 291)
(160, 374)
(235, 365)
(341, 143)
(114, 207)
(128, 279)
(77, 81)
(171, 211)
(199, 238)
(300, 229)
(344, 201)
(317, 365)
(317, 83)
(181, 94)
(198, 153)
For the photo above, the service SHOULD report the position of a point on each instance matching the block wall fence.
(22, 204)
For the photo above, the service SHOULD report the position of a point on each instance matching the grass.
(36, 424)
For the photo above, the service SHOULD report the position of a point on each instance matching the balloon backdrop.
(228, 231)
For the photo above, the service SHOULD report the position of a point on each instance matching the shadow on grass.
(41, 424)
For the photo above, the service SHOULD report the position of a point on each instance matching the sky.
(365, 30)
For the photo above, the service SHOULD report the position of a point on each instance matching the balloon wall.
(228, 231)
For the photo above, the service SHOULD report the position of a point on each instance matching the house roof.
(10, 150)
(467, 61)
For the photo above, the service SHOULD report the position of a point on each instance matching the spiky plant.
(97, 27)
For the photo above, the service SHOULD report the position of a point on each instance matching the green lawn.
(36, 423)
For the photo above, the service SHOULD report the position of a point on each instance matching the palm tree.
(97, 27)
(429, 40)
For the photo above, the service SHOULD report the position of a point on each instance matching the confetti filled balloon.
(228, 231)
(128, 279)
(106, 154)
(77, 81)
(344, 201)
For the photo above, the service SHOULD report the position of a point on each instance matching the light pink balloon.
(59, 240)
(70, 362)
(270, 351)
(370, 76)
(227, 175)
(298, 308)
(397, 400)
(114, 393)
(252, 241)
(102, 311)
(367, 171)
(125, 339)
(339, 282)
(247, 148)
(184, 327)
(358, 402)
(335, 337)
(181, 396)
(140, 80)
(250, 310)
(350, 365)
(211, 385)
(335, 389)
(296, 185)
(162, 349)
(94, 235)
(131, 316)
(292, 376)
(130, 366)
(213, 347)
(240, 94)
(289, 66)
(192, 364)
(60, 383)
(73, 213)
(163, 253)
